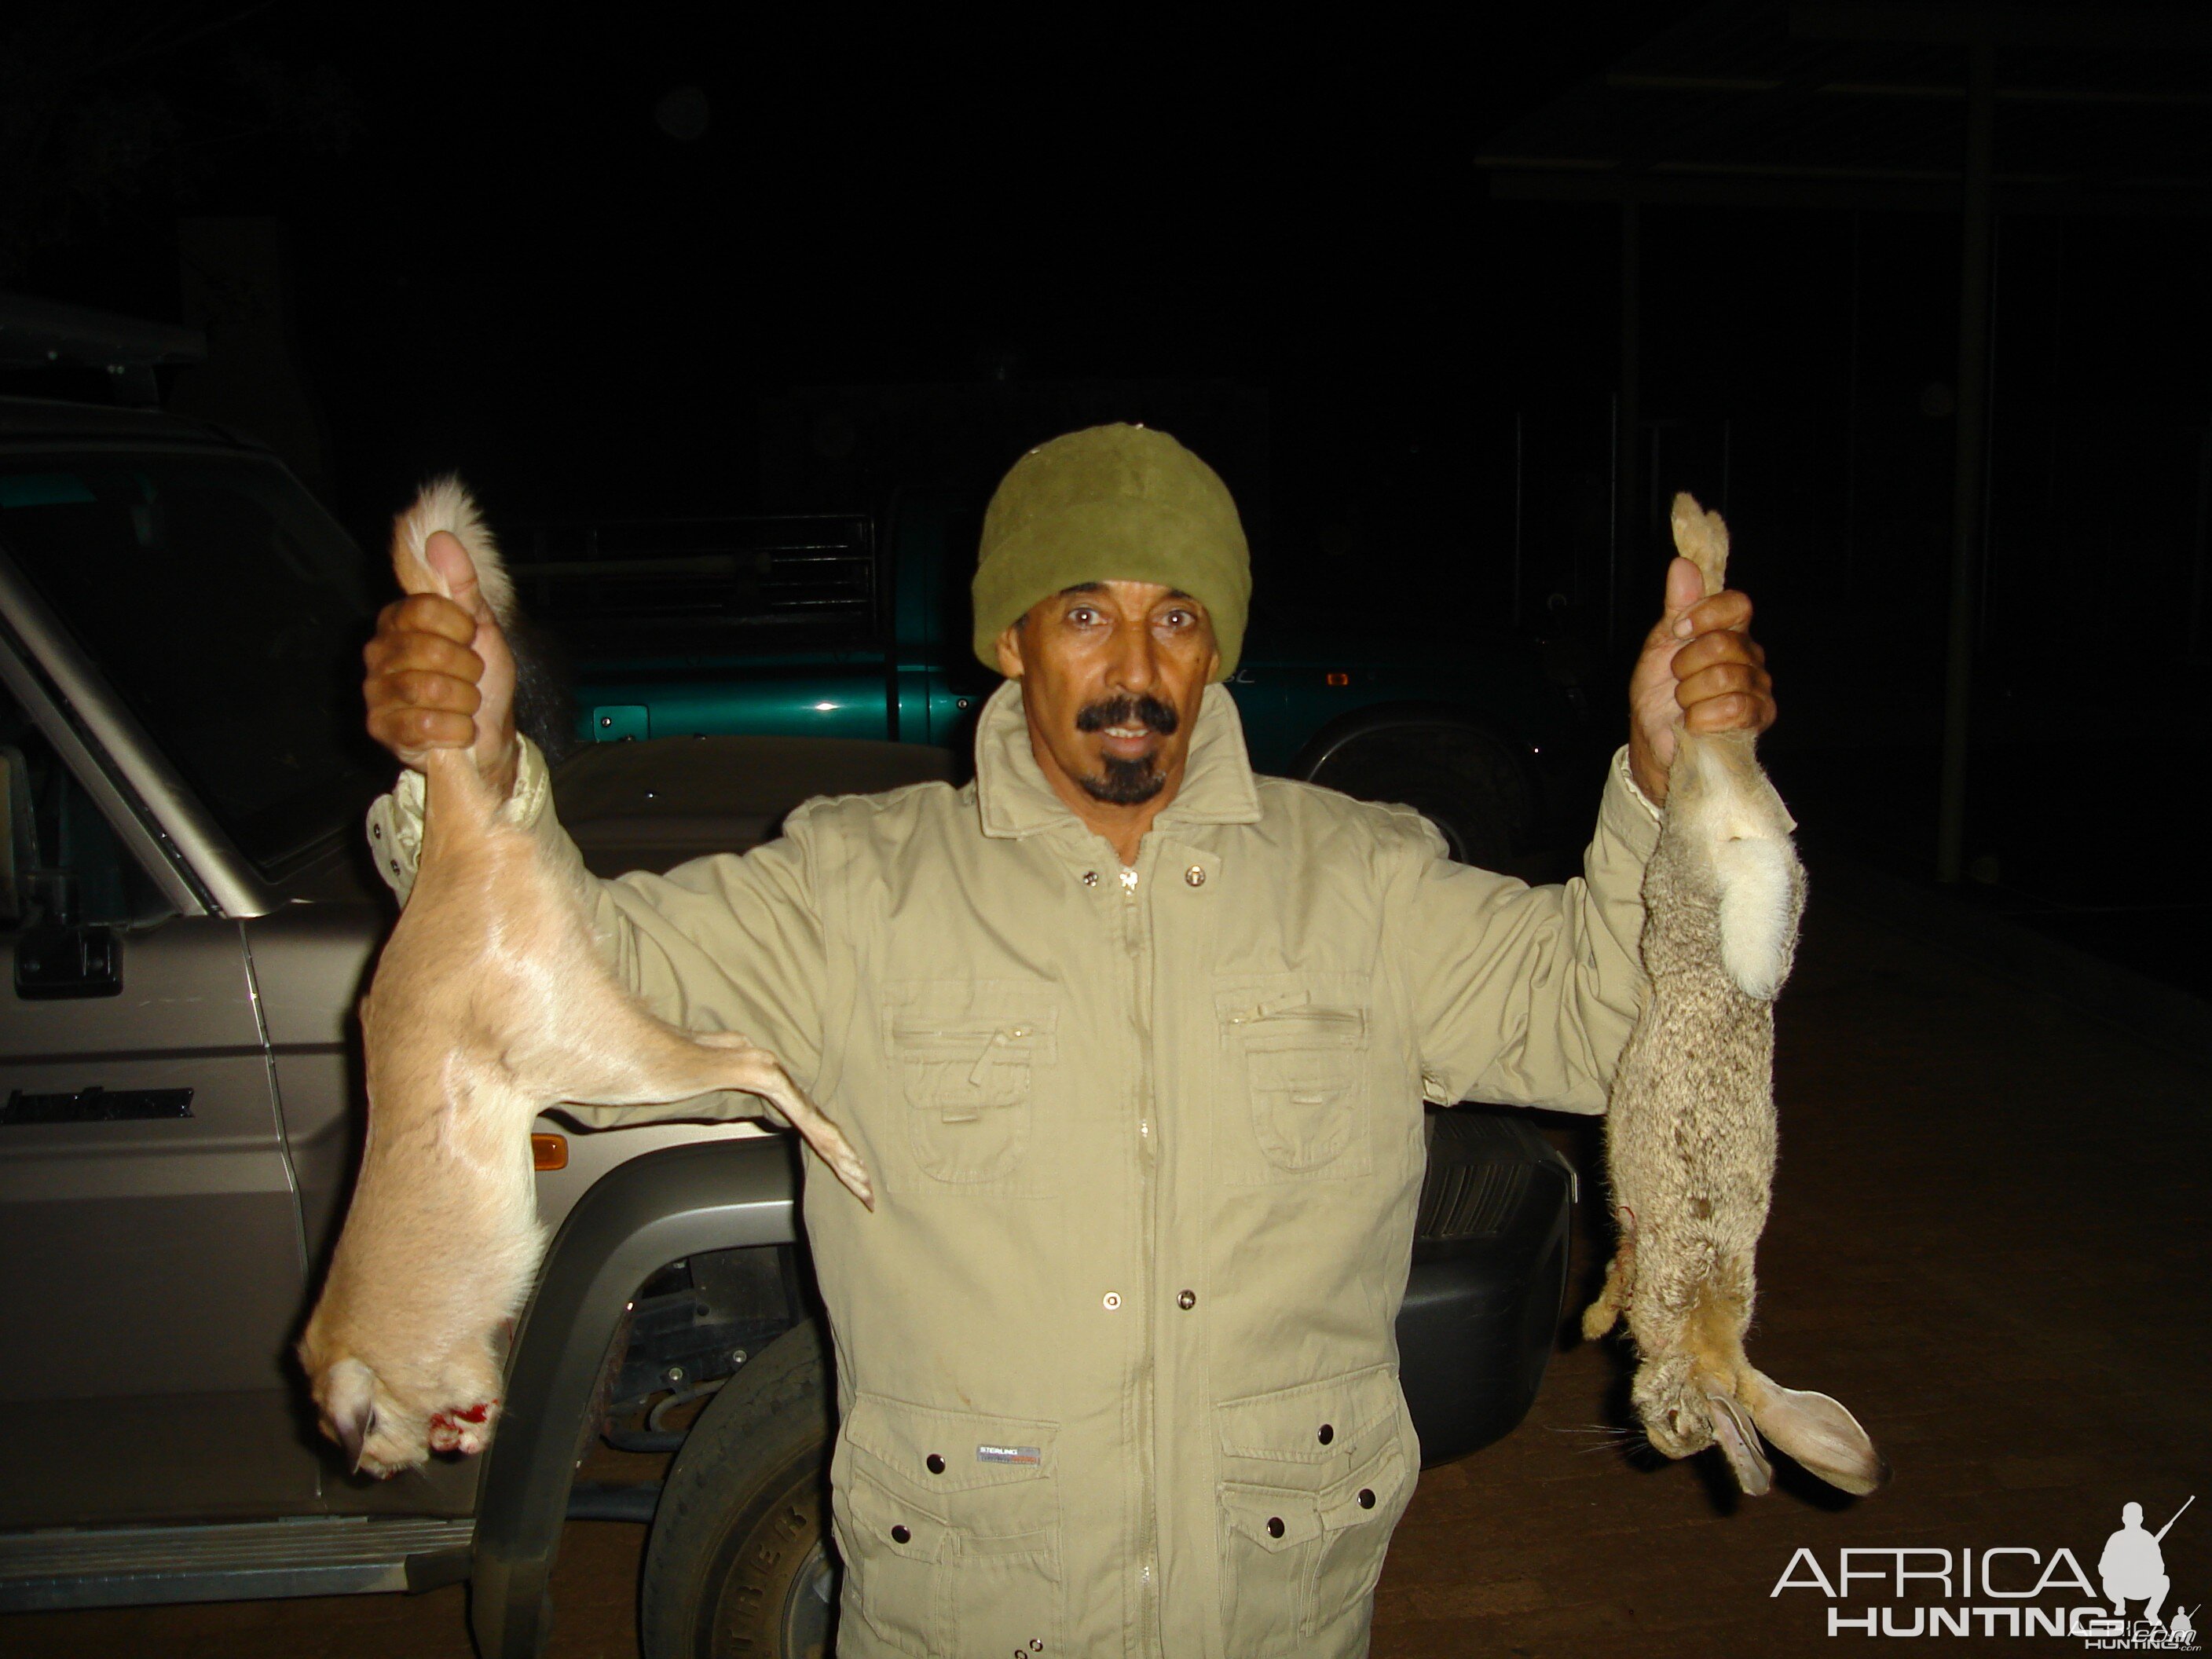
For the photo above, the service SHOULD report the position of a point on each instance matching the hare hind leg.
(644, 1061)
(756, 1071)
(1619, 1288)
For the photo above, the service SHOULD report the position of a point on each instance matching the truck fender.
(1477, 788)
(1355, 724)
(641, 1216)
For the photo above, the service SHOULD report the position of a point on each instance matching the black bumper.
(1489, 1279)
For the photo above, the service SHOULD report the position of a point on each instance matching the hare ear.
(1739, 1441)
(1818, 1433)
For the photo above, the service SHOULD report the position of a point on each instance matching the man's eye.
(1082, 615)
(1176, 619)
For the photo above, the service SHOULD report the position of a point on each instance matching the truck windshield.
(228, 613)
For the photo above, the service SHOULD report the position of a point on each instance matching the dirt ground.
(1990, 1240)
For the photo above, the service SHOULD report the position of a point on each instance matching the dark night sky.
(510, 256)
(507, 262)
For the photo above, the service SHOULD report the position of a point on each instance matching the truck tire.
(739, 1561)
(1460, 781)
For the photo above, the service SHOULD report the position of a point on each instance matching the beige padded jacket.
(1115, 1357)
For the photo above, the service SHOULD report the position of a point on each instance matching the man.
(2133, 1566)
(1135, 1046)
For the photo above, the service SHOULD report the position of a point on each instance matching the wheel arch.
(642, 1215)
(1355, 724)
(1519, 796)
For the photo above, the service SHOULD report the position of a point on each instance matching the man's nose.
(1135, 666)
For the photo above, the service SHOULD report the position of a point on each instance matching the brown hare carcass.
(1690, 1131)
(489, 1003)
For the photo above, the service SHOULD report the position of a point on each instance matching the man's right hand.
(440, 676)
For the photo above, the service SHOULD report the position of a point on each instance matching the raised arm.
(1526, 994)
(726, 943)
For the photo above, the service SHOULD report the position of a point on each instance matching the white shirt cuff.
(395, 821)
(1628, 780)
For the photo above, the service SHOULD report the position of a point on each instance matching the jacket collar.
(1016, 800)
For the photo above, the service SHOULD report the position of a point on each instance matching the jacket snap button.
(1090, 878)
(1274, 1526)
(1327, 1433)
(1366, 1499)
(1113, 1300)
(1187, 1300)
(899, 1535)
(1195, 875)
(934, 1463)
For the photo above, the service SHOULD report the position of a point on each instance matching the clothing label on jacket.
(1009, 1454)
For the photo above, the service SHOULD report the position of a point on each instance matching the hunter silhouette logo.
(2133, 1569)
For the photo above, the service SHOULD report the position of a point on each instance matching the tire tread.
(741, 1441)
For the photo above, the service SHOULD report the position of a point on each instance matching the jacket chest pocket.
(1313, 1482)
(949, 1526)
(1293, 1103)
(968, 1056)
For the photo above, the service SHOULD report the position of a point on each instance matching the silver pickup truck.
(188, 918)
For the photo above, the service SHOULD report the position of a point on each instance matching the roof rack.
(36, 333)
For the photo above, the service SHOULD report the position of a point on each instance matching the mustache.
(1129, 711)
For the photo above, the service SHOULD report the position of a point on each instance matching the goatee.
(1128, 782)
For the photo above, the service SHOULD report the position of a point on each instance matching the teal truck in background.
(856, 626)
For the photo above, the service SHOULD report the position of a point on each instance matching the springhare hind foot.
(768, 1080)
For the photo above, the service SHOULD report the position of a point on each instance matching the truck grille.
(700, 586)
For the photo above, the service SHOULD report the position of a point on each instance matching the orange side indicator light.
(548, 1152)
(1340, 678)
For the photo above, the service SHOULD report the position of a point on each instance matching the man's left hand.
(1700, 667)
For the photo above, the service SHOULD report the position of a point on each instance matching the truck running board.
(309, 1555)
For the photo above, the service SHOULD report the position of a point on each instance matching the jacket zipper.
(1290, 1012)
(1137, 938)
(991, 1044)
(997, 1035)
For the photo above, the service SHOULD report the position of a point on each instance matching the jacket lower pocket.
(1293, 1561)
(1357, 1517)
(950, 1526)
(1313, 1482)
(1271, 1542)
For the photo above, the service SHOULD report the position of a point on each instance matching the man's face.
(1112, 675)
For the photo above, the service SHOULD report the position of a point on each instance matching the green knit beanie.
(1112, 503)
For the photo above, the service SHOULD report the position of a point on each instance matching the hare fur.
(1690, 1131)
(489, 1003)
